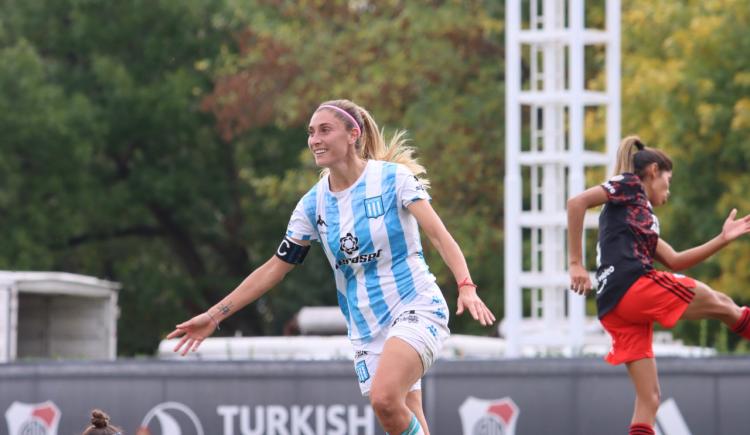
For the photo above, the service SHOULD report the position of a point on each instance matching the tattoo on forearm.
(226, 308)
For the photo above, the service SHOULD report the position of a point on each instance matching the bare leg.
(710, 304)
(399, 368)
(414, 402)
(647, 394)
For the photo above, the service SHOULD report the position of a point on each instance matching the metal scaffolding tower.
(547, 158)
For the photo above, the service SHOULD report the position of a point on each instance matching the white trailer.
(55, 315)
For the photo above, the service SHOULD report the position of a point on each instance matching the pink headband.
(344, 112)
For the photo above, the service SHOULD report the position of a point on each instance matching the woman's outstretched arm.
(688, 258)
(262, 279)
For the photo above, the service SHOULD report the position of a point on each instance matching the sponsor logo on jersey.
(364, 258)
(349, 244)
(406, 316)
(32, 418)
(602, 278)
(488, 417)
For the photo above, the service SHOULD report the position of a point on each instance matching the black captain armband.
(291, 252)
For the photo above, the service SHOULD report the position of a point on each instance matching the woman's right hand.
(580, 282)
(193, 332)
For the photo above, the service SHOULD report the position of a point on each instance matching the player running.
(365, 212)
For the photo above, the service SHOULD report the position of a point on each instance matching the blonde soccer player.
(366, 211)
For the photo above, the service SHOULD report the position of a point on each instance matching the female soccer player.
(366, 211)
(631, 295)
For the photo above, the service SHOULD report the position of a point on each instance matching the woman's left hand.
(735, 228)
(468, 299)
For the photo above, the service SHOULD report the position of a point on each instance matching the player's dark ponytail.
(633, 156)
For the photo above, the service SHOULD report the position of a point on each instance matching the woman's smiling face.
(328, 138)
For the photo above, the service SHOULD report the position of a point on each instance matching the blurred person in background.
(632, 295)
(366, 212)
(100, 425)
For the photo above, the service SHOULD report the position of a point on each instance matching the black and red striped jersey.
(628, 234)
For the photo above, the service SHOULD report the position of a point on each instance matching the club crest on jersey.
(349, 243)
(374, 207)
(362, 373)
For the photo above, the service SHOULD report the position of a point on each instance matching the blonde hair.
(634, 157)
(371, 144)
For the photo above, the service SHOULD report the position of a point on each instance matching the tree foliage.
(429, 67)
(166, 149)
(113, 169)
(162, 144)
(685, 87)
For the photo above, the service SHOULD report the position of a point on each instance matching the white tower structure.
(547, 159)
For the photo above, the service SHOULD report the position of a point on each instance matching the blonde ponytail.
(371, 143)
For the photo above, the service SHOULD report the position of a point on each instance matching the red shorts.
(655, 297)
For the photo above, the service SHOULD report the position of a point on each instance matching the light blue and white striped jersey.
(372, 243)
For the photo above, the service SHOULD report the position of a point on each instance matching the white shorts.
(424, 329)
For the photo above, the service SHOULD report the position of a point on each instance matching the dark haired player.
(631, 294)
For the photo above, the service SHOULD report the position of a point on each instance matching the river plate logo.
(32, 418)
(488, 417)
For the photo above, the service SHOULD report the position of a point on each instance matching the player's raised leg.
(710, 304)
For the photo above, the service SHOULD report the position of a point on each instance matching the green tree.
(111, 168)
(685, 87)
(433, 68)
